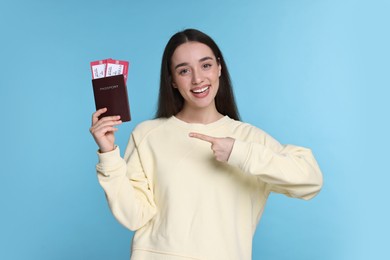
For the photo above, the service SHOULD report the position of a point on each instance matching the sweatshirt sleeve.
(128, 190)
(286, 169)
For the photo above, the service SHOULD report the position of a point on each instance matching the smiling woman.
(185, 199)
(204, 56)
(195, 74)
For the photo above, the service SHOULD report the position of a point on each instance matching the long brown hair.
(170, 101)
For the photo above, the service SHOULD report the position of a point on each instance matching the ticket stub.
(117, 67)
(109, 67)
(98, 69)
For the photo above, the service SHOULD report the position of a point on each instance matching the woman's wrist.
(107, 150)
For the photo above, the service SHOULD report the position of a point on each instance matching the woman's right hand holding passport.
(103, 130)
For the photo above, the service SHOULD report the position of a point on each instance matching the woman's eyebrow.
(181, 65)
(205, 58)
(186, 63)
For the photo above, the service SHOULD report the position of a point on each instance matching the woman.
(194, 181)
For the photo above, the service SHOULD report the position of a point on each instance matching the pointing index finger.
(203, 137)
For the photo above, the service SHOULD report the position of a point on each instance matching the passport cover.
(111, 92)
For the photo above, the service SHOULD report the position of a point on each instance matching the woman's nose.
(196, 77)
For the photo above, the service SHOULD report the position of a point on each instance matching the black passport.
(111, 92)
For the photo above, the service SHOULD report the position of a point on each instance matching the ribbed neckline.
(192, 126)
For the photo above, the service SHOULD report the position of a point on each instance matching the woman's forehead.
(191, 52)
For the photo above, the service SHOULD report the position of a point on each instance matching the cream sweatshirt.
(183, 204)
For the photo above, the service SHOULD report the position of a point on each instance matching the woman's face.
(195, 73)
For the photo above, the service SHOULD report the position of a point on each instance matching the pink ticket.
(98, 69)
(117, 67)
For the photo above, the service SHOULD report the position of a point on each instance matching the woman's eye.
(206, 66)
(183, 71)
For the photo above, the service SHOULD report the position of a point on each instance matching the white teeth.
(200, 90)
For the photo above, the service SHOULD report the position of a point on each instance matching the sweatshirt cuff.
(239, 154)
(109, 158)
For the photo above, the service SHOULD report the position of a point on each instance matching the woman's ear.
(219, 67)
(174, 85)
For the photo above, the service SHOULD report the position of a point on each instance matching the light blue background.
(311, 73)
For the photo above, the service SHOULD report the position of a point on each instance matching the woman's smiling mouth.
(200, 90)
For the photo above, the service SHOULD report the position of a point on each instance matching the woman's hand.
(103, 130)
(222, 147)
